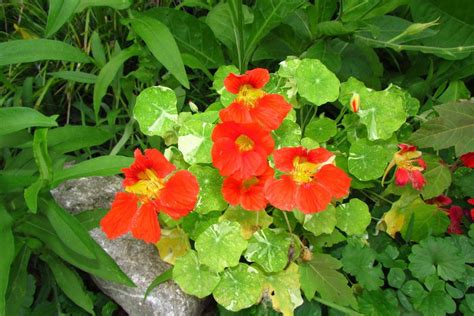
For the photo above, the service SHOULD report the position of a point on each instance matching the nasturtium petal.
(353, 217)
(194, 138)
(316, 83)
(287, 135)
(368, 160)
(220, 245)
(194, 278)
(284, 289)
(210, 183)
(155, 111)
(321, 275)
(321, 129)
(240, 287)
(436, 256)
(269, 248)
(437, 175)
(322, 222)
(250, 222)
(173, 243)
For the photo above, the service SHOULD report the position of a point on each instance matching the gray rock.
(140, 261)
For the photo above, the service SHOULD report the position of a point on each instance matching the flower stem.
(287, 222)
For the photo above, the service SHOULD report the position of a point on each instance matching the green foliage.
(453, 127)
(76, 77)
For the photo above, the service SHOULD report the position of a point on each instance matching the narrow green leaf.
(42, 158)
(68, 228)
(69, 138)
(163, 277)
(18, 118)
(59, 13)
(108, 73)
(70, 283)
(162, 45)
(103, 266)
(114, 4)
(100, 166)
(31, 194)
(76, 76)
(8, 254)
(18, 283)
(98, 50)
(195, 39)
(39, 49)
(91, 219)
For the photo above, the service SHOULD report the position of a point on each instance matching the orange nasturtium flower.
(310, 180)
(151, 185)
(409, 167)
(249, 193)
(241, 150)
(252, 104)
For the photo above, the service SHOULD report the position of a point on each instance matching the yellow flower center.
(304, 170)
(405, 160)
(148, 186)
(244, 143)
(249, 95)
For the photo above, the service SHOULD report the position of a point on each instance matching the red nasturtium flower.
(249, 193)
(471, 201)
(468, 159)
(252, 104)
(455, 214)
(310, 180)
(409, 167)
(151, 186)
(241, 150)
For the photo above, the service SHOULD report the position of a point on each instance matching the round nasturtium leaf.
(382, 112)
(368, 160)
(321, 129)
(194, 278)
(321, 222)
(353, 217)
(250, 221)
(195, 223)
(194, 140)
(221, 245)
(155, 111)
(269, 248)
(173, 244)
(316, 83)
(210, 183)
(284, 288)
(240, 287)
(287, 135)
(218, 83)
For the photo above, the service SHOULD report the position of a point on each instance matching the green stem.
(287, 222)
(338, 307)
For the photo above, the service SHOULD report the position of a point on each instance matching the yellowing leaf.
(250, 221)
(392, 222)
(284, 289)
(174, 243)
